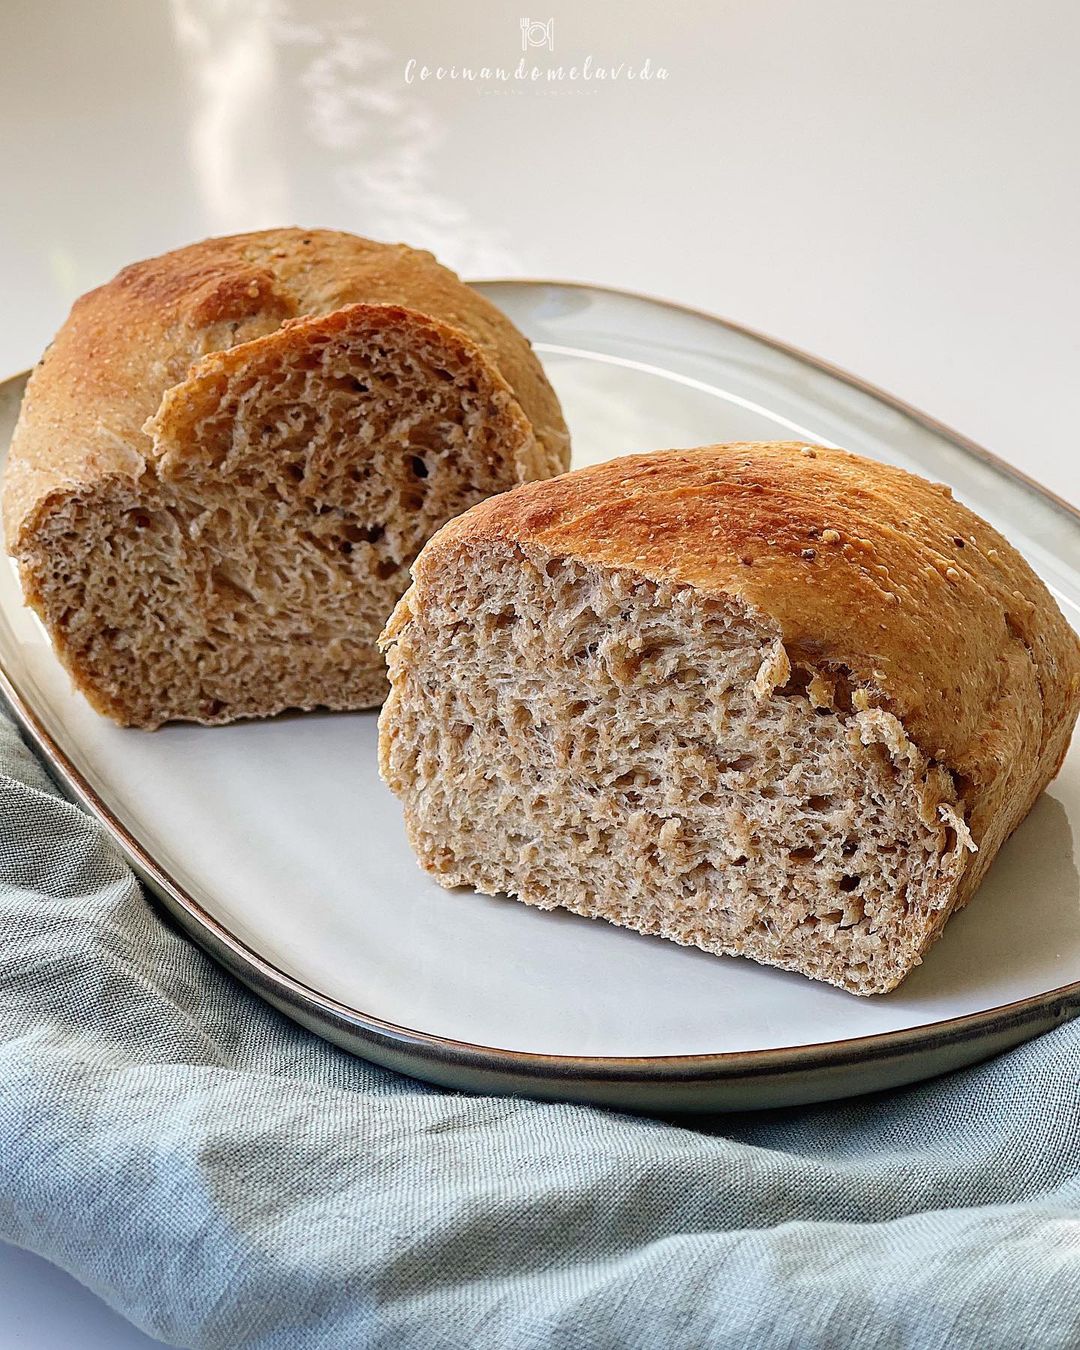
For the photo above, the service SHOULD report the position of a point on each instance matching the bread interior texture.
(644, 753)
(247, 565)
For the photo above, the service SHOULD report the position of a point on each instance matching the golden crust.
(864, 568)
(128, 342)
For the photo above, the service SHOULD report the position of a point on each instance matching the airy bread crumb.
(598, 703)
(230, 456)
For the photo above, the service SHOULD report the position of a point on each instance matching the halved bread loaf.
(230, 455)
(771, 700)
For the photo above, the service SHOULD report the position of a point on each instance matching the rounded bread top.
(864, 568)
(127, 342)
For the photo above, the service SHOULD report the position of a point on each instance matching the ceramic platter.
(277, 848)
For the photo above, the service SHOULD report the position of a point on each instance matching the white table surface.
(895, 188)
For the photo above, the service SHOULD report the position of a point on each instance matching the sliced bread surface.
(770, 700)
(230, 455)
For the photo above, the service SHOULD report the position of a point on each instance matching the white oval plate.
(277, 848)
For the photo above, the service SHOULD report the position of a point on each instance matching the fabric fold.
(226, 1179)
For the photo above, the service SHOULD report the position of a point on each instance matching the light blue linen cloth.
(226, 1179)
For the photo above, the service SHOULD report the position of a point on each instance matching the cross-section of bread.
(230, 455)
(770, 700)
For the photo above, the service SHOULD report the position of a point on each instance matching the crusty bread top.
(862, 565)
(132, 339)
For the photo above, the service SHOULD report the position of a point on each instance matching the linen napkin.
(226, 1179)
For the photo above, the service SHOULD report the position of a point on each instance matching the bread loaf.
(230, 455)
(771, 700)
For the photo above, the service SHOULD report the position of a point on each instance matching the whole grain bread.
(230, 455)
(773, 700)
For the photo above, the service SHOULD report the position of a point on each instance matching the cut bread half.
(670, 692)
(237, 554)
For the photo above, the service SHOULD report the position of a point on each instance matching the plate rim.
(287, 991)
(974, 448)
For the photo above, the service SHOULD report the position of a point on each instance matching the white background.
(894, 187)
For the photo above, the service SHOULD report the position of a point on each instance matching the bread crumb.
(830, 537)
(808, 452)
(821, 690)
(669, 834)
(952, 574)
(952, 817)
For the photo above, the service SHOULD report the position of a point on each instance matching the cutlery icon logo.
(537, 33)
